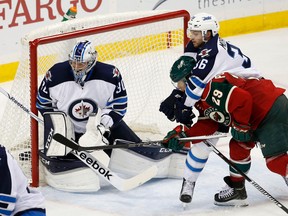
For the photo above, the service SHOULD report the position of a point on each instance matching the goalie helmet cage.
(143, 45)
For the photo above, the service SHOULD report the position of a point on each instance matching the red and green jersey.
(230, 98)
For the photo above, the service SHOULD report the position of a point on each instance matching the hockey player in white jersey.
(16, 197)
(205, 56)
(69, 93)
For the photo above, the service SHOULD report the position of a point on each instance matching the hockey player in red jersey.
(256, 111)
(205, 56)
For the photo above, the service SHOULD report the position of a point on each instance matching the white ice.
(268, 51)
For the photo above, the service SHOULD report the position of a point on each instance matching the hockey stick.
(126, 144)
(103, 171)
(11, 98)
(257, 186)
(111, 177)
(69, 143)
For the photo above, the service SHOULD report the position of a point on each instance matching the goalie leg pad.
(67, 174)
(129, 163)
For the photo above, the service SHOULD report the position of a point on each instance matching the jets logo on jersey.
(80, 110)
(116, 72)
(204, 53)
(48, 76)
(218, 116)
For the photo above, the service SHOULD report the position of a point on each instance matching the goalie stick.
(111, 177)
(124, 143)
(257, 186)
(103, 171)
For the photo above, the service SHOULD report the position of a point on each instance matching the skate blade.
(238, 203)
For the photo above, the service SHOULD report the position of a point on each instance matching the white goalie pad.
(57, 122)
(77, 180)
(129, 162)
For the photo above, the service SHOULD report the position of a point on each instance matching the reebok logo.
(92, 163)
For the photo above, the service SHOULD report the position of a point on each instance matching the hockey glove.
(106, 121)
(241, 133)
(171, 139)
(168, 105)
(183, 114)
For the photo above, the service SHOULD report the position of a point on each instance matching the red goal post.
(128, 48)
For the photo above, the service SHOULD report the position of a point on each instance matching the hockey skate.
(234, 194)
(187, 191)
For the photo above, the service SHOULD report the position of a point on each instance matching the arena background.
(236, 17)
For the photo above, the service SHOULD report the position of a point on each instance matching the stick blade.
(136, 181)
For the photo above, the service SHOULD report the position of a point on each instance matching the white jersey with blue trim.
(103, 87)
(215, 57)
(15, 195)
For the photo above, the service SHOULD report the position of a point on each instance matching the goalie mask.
(82, 58)
(203, 22)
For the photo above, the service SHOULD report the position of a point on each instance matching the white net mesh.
(144, 55)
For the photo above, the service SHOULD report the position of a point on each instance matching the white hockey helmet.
(82, 58)
(203, 22)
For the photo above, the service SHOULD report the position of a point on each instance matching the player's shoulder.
(59, 73)
(106, 72)
(210, 48)
(232, 79)
(60, 67)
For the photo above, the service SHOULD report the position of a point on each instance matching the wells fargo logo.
(25, 12)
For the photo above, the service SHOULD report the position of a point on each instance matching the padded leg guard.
(78, 180)
(129, 162)
(67, 174)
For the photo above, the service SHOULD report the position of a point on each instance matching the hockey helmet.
(203, 22)
(82, 58)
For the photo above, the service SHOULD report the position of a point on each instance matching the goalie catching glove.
(240, 132)
(171, 139)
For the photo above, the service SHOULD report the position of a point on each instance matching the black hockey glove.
(168, 105)
(183, 114)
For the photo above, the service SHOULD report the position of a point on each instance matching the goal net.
(143, 45)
